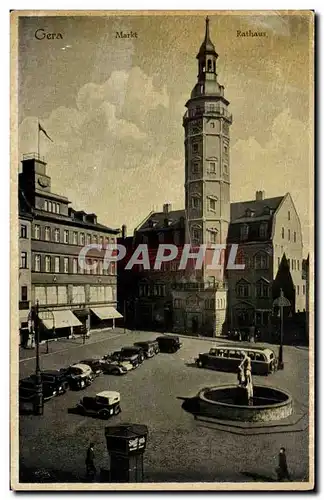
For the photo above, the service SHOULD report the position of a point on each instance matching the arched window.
(209, 65)
(262, 288)
(243, 288)
(261, 261)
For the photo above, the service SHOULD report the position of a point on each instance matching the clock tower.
(207, 161)
(207, 182)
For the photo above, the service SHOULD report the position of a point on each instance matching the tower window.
(195, 235)
(195, 147)
(294, 236)
(288, 234)
(212, 124)
(212, 204)
(212, 236)
(209, 65)
(225, 168)
(195, 202)
(212, 167)
(195, 168)
(282, 232)
(288, 215)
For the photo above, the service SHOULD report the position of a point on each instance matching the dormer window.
(249, 213)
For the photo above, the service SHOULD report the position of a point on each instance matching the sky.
(114, 107)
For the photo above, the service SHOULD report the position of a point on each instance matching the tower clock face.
(43, 182)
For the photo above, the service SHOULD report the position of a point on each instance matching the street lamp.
(281, 302)
(38, 400)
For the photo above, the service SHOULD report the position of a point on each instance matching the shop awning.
(58, 319)
(107, 312)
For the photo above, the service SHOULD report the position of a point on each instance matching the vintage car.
(122, 356)
(115, 367)
(148, 348)
(95, 365)
(102, 405)
(169, 343)
(27, 390)
(154, 343)
(228, 358)
(79, 376)
(131, 350)
(56, 378)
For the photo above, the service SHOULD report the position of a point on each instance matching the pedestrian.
(90, 466)
(282, 469)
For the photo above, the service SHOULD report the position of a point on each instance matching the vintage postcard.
(162, 250)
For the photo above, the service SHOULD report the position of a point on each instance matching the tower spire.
(207, 47)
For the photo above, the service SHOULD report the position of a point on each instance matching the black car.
(147, 347)
(123, 356)
(27, 390)
(168, 343)
(131, 350)
(95, 365)
(155, 345)
(56, 378)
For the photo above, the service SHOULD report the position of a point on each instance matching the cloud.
(282, 161)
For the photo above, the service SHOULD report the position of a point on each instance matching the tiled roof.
(157, 219)
(238, 210)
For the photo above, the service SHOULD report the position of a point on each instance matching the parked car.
(95, 365)
(27, 390)
(79, 376)
(116, 367)
(228, 358)
(122, 356)
(147, 347)
(56, 378)
(130, 350)
(168, 343)
(154, 343)
(102, 405)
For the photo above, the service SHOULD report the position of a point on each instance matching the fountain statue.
(245, 384)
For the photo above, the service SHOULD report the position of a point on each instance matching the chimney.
(259, 195)
(166, 208)
(124, 231)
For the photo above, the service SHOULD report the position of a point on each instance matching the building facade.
(25, 259)
(69, 296)
(268, 233)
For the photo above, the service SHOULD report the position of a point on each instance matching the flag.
(41, 129)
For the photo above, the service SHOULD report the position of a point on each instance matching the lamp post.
(38, 401)
(281, 302)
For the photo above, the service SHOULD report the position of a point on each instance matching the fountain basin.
(225, 403)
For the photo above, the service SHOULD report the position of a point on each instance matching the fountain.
(245, 401)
